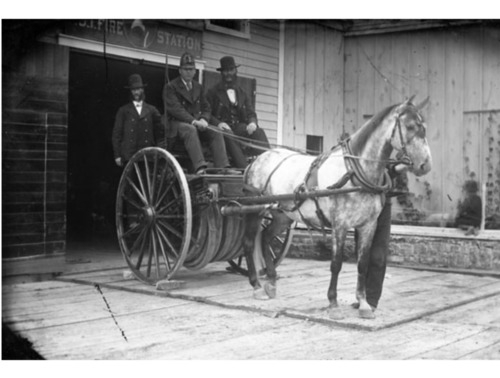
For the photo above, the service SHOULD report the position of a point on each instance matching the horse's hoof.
(260, 294)
(270, 289)
(366, 314)
(335, 313)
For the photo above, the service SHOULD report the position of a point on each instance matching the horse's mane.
(360, 137)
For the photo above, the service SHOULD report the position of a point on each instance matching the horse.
(358, 163)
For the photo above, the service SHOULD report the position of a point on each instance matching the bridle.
(404, 158)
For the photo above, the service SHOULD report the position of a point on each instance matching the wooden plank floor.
(423, 315)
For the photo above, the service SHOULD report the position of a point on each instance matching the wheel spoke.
(169, 244)
(162, 248)
(141, 253)
(131, 230)
(140, 237)
(137, 191)
(131, 202)
(166, 206)
(150, 257)
(164, 193)
(155, 252)
(153, 184)
(170, 228)
(148, 179)
(141, 184)
(170, 216)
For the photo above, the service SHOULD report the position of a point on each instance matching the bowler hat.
(187, 60)
(135, 82)
(226, 63)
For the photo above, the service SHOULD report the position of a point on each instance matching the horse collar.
(356, 171)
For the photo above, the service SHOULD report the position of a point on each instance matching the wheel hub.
(148, 214)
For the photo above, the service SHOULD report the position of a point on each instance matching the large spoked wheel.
(279, 247)
(153, 215)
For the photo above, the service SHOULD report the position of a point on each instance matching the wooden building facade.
(313, 80)
(459, 68)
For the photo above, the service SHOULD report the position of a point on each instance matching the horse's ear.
(409, 101)
(422, 104)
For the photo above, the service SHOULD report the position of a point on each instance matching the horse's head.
(409, 136)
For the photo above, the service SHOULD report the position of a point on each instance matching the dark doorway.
(96, 91)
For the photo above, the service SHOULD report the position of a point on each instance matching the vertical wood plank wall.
(459, 68)
(258, 58)
(313, 84)
(34, 152)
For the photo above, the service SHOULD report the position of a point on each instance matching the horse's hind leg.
(338, 238)
(279, 223)
(252, 228)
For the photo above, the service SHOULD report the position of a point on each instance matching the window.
(314, 144)
(236, 28)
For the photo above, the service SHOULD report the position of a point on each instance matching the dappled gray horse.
(359, 163)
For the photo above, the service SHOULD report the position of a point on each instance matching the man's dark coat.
(132, 131)
(183, 105)
(221, 106)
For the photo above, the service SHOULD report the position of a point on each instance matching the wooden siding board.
(472, 97)
(436, 118)
(351, 85)
(310, 83)
(333, 89)
(490, 151)
(491, 68)
(383, 80)
(320, 93)
(288, 85)
(454, 88)
(400, 67)
(417, 48)
(419, 54)
(299, 83)
(366, 90)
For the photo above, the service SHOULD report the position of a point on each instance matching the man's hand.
(200, 124)
(224, 126)
(251, 127)
(118, 161)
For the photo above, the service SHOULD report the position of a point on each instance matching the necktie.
(189, 86)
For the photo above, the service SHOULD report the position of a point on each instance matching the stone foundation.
(415, 246)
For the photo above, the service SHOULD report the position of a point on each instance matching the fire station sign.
(149, 35)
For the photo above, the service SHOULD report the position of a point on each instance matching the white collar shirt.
(189, 86)
(138, 106)
(231, 94)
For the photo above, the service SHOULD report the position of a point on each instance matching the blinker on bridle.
(405, 158)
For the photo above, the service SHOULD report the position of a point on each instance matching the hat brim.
(136, 86)
(227, 68)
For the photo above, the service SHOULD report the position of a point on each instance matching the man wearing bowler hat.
(189, 113)
(231, 107)
(137, 124)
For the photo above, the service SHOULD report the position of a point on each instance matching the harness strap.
(274, 170)
(358, 173)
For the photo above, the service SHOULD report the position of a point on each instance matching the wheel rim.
(153, 215)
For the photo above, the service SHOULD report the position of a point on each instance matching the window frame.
(245, 27)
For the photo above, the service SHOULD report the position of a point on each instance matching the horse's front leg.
(338, 239)
(363, 247)
(252, 249)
